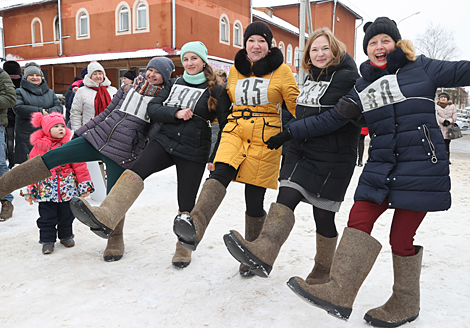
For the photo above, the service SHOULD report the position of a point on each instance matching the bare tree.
(437, 42)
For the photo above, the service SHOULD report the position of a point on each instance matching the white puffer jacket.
(448, 113)
(83, 106)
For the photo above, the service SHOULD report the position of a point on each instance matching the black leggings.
(254, 195)
(324, 220)
(189, 174)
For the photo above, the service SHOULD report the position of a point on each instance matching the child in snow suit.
(54, 193)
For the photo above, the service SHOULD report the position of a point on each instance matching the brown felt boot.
(353, 260)
(182, 257)
(115, 247)
(403, 305)
(190, 227)
(253, 227)
(29, 172)
(7, 210)
(260, 254)
(103, 219)
(325, 251)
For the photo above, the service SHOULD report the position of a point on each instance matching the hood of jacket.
(37, 90)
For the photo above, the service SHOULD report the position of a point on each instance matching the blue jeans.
(3, 158)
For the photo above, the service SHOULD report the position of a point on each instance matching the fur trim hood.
(264, 66)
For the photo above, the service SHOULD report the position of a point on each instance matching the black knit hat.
(12, 67)
(258, 28)
(444, 94)
(381, 25)
(131, 74)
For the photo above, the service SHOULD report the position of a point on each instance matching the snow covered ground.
(76, 288)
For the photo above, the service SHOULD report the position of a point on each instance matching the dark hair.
(211, 81)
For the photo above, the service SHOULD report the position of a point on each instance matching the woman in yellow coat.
(258, 84)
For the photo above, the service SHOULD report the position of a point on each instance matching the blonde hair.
(338, 48)
(408, 49)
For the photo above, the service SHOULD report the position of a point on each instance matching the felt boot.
(325, 251)
(182, 257)
(190, 227)
(7, 210)
(352, 262)
(403, 305)
(260, 254)
(115, 247)
(29, 172)
(103, 219)
(253, 227)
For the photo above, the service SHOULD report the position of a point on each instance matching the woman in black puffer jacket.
(316, 170)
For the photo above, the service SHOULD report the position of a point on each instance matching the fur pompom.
(36, 119)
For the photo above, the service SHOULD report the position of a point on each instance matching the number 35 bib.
(385, 91)
(252, 91)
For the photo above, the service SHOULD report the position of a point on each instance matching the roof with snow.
(12, 4)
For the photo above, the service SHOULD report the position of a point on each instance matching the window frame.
(224, 18)
(289, 54)
(35, 42)
(135, 17)
(118, 18)
(78, 26)
(238, 24)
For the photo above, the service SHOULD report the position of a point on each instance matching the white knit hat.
(95, 66)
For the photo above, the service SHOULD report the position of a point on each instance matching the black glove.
(279, 139)
(446, 123)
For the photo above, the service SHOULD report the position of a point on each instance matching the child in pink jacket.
(54, 193)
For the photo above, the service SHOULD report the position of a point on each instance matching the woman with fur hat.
(93, 98)
(117, 137)
(32, 96)
(315, 170)
(55, 192)
(407, 171)
(186, 110)
(258, 83)
(446, 116)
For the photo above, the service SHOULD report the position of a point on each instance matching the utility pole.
(305, 13)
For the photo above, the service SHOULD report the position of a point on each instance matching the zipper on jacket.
(57, 174)
(112, 131)
(323, 185)
(431, 145)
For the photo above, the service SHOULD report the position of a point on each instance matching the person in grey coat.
(33, 96)
(117, 136)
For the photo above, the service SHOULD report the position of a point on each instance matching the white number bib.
(385, 91)
(136, 104)
(252, 91)
(183, 96)
(312, 93)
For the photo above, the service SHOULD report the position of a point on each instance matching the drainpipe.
(334, 18)
(59, 6)
(355, 37)
(251, 11)
(173, 27)
(2, 36)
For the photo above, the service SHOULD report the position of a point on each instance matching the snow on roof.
(12, 4)
(276, 21)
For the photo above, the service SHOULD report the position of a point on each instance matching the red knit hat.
(47, 122)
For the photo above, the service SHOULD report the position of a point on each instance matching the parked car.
(463, 123)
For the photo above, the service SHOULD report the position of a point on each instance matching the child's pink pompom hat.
(47, 122)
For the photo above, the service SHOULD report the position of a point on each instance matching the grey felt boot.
(115, 247)
(253, 227)
(325, 251)
(353, 260)
(403, 305)
(182, 257)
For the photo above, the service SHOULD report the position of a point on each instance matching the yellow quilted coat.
(242, 145)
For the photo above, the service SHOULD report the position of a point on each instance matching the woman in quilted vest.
(407, 171)
(117, 136)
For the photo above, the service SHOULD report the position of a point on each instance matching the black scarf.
(264, 66)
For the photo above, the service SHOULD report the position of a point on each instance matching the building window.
(36, 32)
(56, 29)
(237, 34)
(282, 48)
(141, 16)
(83, 24)
(273, 44)
(296, 57)
(289, 55)
(124, 19)
(224, 27)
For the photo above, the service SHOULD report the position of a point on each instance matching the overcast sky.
(451, 14)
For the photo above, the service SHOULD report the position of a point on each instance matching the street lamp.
(416, 13)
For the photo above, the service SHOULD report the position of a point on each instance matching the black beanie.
(12, 67)
(444, 94)
(381, 25)
(131, 74)
(258, 28)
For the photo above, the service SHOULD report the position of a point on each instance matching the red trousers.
(404, 224)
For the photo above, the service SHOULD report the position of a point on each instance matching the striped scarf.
(143, 87)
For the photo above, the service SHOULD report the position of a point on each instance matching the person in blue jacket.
(408, 170)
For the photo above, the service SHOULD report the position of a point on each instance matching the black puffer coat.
(30, 98)
(189, 139)
(324, 164)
